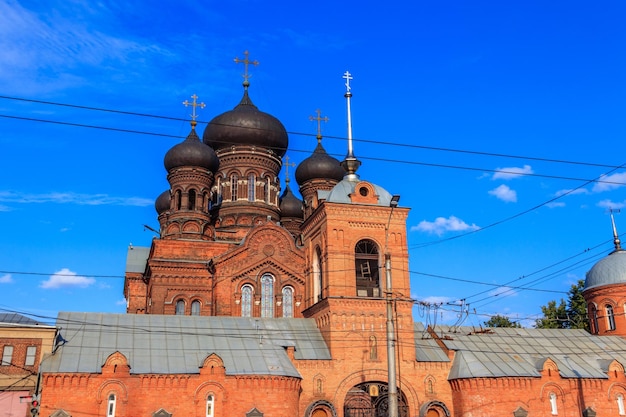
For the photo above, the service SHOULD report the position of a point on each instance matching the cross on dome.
(287, 165)
(319, 119)
(246, 61)
(194, 104)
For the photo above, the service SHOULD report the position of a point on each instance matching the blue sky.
(479, 115)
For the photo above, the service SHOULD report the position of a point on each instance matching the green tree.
(566, 315)
(501, 321)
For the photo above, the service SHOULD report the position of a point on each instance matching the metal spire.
(616, 241)
(350, 163)
(193, 114)
(319, 119)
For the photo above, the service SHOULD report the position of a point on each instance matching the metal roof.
(426, 348)
(341, 193)
(18, 319)
(157, 344)
(137, 258)
(510, 352)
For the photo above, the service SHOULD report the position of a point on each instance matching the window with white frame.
(620, 405)
(246, 300)
(251, 186)
(234, 186)
(267, 296)
(553, 405)
(610, 317)
(111, 406)
(210, 406)
(7, 355)
(288, 302)
(180, 307)
(195, 308)
(31, 351)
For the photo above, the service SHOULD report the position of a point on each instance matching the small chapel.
(252, 302)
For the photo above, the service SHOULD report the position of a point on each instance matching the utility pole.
(392, 386)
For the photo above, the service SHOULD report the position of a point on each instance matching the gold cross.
(194, 104)
(319, 123)
(245, 63)
(287, 165)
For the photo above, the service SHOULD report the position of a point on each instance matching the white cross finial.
(347, 76)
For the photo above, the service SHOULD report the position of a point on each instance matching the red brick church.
(252, 302)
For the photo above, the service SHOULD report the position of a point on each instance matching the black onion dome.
(191, 152)
(290, 205)
(246, 125)
(319, 165)
(162, 202)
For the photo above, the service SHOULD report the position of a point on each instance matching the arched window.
(210, 406)
(234, 180)
(593, 318)
(266, 190)
(553, 406)
(111, 406)
(317, 275)
(251, 186)
(195, 308)
(246, 301)
(191, 204)
(610, 317)
(267, 296)
(620, 405)
(288, 302)
(178, 200)
(367, 269)
(180, 307)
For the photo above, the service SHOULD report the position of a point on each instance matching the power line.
(375, 142)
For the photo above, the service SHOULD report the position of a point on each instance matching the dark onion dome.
(607, 271)
(246, 125)
(191, 152)
(162, 203)
(290, 205)
(319, 165)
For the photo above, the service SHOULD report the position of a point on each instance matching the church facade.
(252, 302)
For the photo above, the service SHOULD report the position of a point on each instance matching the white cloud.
(504, 193)
(556, 204)
(42, 49)
(608, 204)
(511, 172)
(6, 279)
(442, 225)
(66, 278)
(72, 198)
(571, 192)
(121, 302)
(614, 181)
(503, 291)
(4, 208)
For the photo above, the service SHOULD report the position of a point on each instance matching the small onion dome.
(290, 205)
(191, 152)
(162, 203)
(319, 165)
(607, 271)
(246, 125)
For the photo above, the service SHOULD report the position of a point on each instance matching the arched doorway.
(370, 399)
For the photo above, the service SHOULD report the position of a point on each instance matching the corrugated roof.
(426, 348)
(180, 344)
(15, 318)
(136, 258)
(509, 352)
